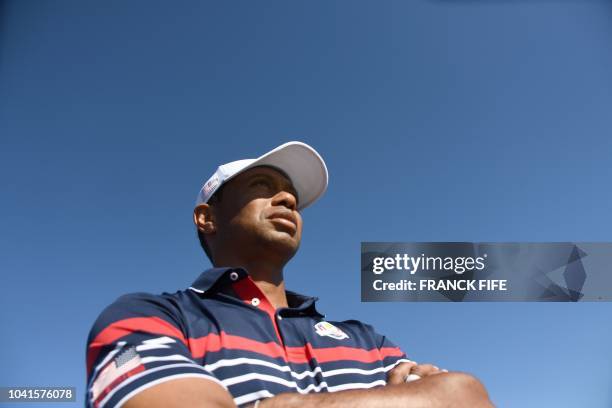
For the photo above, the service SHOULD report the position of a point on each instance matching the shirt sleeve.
(390, 353)
(137, 342)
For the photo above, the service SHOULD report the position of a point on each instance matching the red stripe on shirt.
(329, 354)
(215, 342)
(122, 328)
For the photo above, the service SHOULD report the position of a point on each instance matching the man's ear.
(204, 218)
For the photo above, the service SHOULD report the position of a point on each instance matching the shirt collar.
(212, 279)
(213, 276)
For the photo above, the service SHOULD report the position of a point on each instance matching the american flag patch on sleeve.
(126, 364)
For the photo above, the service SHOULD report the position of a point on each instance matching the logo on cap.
(329, 330)
(211, 184)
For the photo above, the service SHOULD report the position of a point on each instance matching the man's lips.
(285, 218)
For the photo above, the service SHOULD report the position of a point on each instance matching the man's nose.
(286, 199)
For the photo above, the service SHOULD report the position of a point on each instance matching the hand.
(399, 374)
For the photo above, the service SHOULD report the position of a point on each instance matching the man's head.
(256, 211)
(249, 209)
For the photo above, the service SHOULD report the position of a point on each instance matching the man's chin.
(282, 242)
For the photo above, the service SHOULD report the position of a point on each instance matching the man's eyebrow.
(286, 184)
(260, 175)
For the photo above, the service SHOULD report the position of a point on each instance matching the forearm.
(389, 396)
(456, 390)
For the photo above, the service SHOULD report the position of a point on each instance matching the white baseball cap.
(300, 162)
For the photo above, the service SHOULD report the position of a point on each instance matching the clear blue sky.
(440, 120)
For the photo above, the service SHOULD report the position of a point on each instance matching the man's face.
(258, 211)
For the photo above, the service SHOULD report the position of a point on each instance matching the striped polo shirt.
(223, 329)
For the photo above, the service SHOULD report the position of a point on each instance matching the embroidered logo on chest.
(329, 330)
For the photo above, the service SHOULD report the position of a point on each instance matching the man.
(237, 337)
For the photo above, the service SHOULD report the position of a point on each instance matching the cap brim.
(304, 167)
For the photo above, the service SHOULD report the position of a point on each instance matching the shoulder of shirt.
(139, 304)
(144, 298)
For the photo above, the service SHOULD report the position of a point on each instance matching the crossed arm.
(436, 389)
